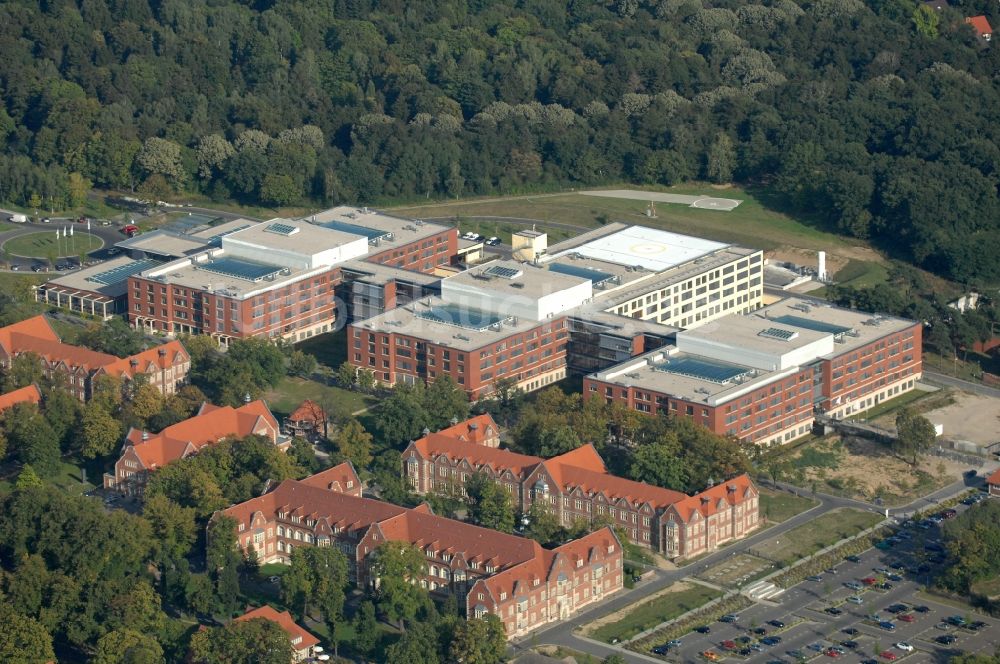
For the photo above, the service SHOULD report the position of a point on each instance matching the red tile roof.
(209, 426)
(582, 467)
(340, 475)
(35, 335)
(301, 639)
(349, 512)
(994, 478)
(309, 411)
(980, 25)
(29, 394)
(729, 492)
(473, 430)
(418, 525)
(435, 444)
(538, 567)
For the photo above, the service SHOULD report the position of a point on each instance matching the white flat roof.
(653, 249)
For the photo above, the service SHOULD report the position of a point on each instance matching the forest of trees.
(878, 120)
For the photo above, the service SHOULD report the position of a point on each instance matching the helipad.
(649, 248)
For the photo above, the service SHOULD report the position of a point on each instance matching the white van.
(19, 218)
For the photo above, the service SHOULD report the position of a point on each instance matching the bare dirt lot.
(835, 260)
(862, 468)
(972, 417)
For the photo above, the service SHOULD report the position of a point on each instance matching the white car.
(904, 646)
(854, 599)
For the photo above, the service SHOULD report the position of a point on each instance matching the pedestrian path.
(763, 590)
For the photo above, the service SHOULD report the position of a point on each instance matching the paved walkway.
(698, 201)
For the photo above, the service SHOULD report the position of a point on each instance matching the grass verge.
(778, 506)
(292, 391)
(818, 533)
(752, 223)
(661, 609)
(41, 244)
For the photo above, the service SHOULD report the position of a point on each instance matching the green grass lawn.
(652, 613)
(988, 588)
(861, 274)
(66, 477)
(818, 533)
(752, 223)
(44, 243)
(292, 391)
(330, 350)
(778, 506)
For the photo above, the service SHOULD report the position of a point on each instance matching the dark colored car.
(833, 611)
(852, 559)
(849, 644)
(850, 631)
(704, 629)
(771, 640)
(760, 631)
(896, 608)
(728, 618)
(921, 609)
(776, 623)
(946, 639)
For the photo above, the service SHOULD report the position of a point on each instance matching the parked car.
(852, 559)
(814, 577)
(896, 608)
(710, 655)
(833, 611)
(869, 580)
(976, 626)
(904, 646)
(887, 626)
(771, 640)
(776, 623)
(703, 629)
(493, 241)
(15, 268)
(851, 631)
(832, 653)
(854, 585)
(907, 617)
(854, 599)
(894, 577)
(849, 644)
(946, 639)
(728, 645)
(921, 609)
(728, 618)
(889, 655)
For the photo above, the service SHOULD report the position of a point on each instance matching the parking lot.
(815, 620)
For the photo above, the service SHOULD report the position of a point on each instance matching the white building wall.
(302, 260)
(690, 342)
(497, 295)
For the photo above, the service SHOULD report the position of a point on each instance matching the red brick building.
(278, 278)
(144, 453)
(993, 484)
(523, 584)
(164, 367)
(576, 487)
(29, 394)
(303, 643)
(761, 377)
(308, 421)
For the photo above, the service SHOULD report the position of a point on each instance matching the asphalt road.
(562, 633)
(968, 386)
(803, 610)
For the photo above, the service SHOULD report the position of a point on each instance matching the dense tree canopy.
(877, 118)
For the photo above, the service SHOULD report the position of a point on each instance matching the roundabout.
(44, 244)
